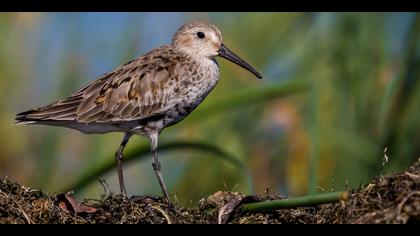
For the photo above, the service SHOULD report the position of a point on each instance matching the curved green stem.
(294, 202)
(144, 151)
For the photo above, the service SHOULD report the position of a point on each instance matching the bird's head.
(202, 40)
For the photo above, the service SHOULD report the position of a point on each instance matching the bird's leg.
(156, 166)
(119, 157)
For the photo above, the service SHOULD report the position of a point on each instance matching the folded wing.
(133, 91)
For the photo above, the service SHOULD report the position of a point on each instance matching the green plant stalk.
(248, 96)
(143, 152)
(294, 202)
(314, 124)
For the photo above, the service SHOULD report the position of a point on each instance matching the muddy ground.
(387, 199)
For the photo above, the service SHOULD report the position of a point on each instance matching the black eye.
(200, 35)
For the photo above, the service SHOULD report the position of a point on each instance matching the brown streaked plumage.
(145, 95)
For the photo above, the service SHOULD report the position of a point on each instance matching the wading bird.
(145, 95)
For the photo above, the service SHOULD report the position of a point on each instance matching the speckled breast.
(192, 89)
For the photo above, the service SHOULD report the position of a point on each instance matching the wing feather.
(138, 89)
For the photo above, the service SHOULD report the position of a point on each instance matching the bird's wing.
(135, 90)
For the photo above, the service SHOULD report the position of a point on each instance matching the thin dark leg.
(156, 166)
(119, 157)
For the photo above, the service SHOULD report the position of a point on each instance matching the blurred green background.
(338, 89)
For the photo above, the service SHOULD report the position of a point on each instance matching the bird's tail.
(23, 118)
(64, 110)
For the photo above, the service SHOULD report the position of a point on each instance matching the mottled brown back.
(135, 90)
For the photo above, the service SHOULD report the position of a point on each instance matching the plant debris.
(66, 202)
(387, 199)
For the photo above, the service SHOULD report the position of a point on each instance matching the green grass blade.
(143, 152)
(249, 96)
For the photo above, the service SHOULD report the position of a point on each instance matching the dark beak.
(228, 54)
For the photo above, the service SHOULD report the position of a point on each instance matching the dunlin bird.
(145, 95)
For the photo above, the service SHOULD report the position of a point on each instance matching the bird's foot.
(172, 208)
(153, 204)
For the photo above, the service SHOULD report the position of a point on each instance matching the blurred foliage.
(338, 89)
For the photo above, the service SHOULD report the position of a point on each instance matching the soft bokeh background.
(338, 89)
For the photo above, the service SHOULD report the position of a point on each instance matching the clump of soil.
(387, 199)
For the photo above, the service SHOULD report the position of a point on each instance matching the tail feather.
(64, 110)
(23, 119)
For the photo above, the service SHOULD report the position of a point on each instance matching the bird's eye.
(200, 35)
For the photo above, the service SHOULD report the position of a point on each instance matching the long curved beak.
(228, 54)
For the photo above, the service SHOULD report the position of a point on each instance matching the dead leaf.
(227, 209)
(66, 202)
(231, 202)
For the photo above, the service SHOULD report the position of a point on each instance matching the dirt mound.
(387, 199)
